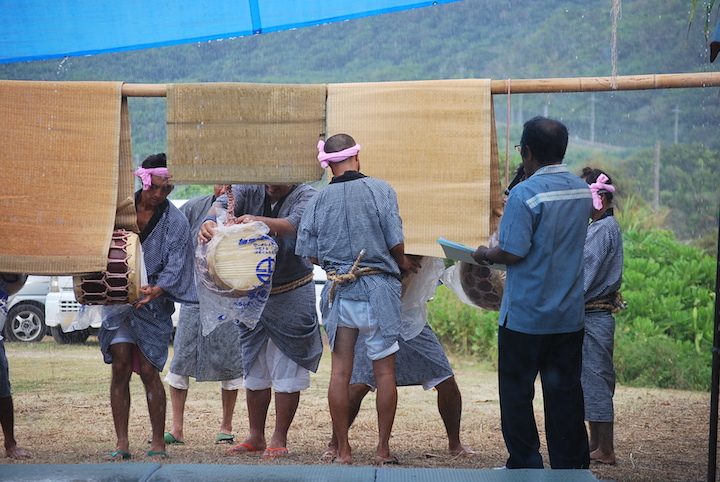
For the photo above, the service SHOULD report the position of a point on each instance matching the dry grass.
(63, 417)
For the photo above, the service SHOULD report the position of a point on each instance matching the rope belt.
(613, 303)
(351, 276)
(276, 290)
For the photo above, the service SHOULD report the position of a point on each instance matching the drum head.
(242, 260)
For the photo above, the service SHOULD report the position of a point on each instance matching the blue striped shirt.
(545, 223)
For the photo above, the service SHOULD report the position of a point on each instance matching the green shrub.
(463, 329)
(664, 339)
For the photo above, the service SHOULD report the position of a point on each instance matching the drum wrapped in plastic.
(120, 283)
(477, 285)
(240, 258)
(482, 285)
(234, 272)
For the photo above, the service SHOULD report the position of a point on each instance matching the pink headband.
(598, 186)
(326, 158)
(146, 175)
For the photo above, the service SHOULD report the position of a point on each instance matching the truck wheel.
(25, 322)
(71, 337)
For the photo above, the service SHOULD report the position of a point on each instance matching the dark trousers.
(558, 360)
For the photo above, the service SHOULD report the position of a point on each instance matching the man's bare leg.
(357, 394)
(229, 398)
(258, 402)
(7, 420)
(178, 396)
(120, 392)
(450, 407)
(338, 391)
(286, 405)
(386, 404)
(601, 437)
(156, 401)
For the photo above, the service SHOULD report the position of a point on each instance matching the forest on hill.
(493, 39)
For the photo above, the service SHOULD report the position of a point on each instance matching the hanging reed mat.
(125, 214)
(220, 133)
(60, 161)
(434, 142)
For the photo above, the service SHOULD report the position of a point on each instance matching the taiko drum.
(119, 283)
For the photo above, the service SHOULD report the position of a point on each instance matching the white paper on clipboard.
(460, 252)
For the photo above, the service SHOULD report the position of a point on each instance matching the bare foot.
(274, 453)
(244, 448)
(600, 457)
(342, 461)
(380, 460)
(16, 453)
(464, 452)
(329, 455)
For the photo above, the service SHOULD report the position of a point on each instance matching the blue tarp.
(46, 29)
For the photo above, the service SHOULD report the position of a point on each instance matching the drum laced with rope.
(120, 282)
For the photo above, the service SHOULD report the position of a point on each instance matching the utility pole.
(656, 194)
(592, 118)
(676, 111)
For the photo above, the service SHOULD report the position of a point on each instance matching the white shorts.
(182, 382)
(359, 315)
(273, 369)
(123, 334)
(433, 382)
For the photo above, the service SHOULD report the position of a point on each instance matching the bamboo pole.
(602, 84)
(539, 86)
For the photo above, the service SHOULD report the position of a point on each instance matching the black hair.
(590, 175)
(339, 142)
(546, 138)
(156, 160)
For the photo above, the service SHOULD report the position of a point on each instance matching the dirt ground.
(63, 416)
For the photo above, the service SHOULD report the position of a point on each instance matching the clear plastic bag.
(476, 285)
(110, 316)
(218, 302)
(418, 289)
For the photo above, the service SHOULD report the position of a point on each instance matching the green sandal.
(223, 438)
(171, 440)
(153, 454)
(119, 455)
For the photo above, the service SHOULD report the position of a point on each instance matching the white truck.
(61, 307)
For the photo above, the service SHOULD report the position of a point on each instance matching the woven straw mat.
(221, 133)
(435, 143)
(60, 162)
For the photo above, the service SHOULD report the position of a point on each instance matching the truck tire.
(69, 338)
(25, 322)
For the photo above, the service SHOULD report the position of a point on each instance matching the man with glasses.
(542, 235)
(136, 339)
